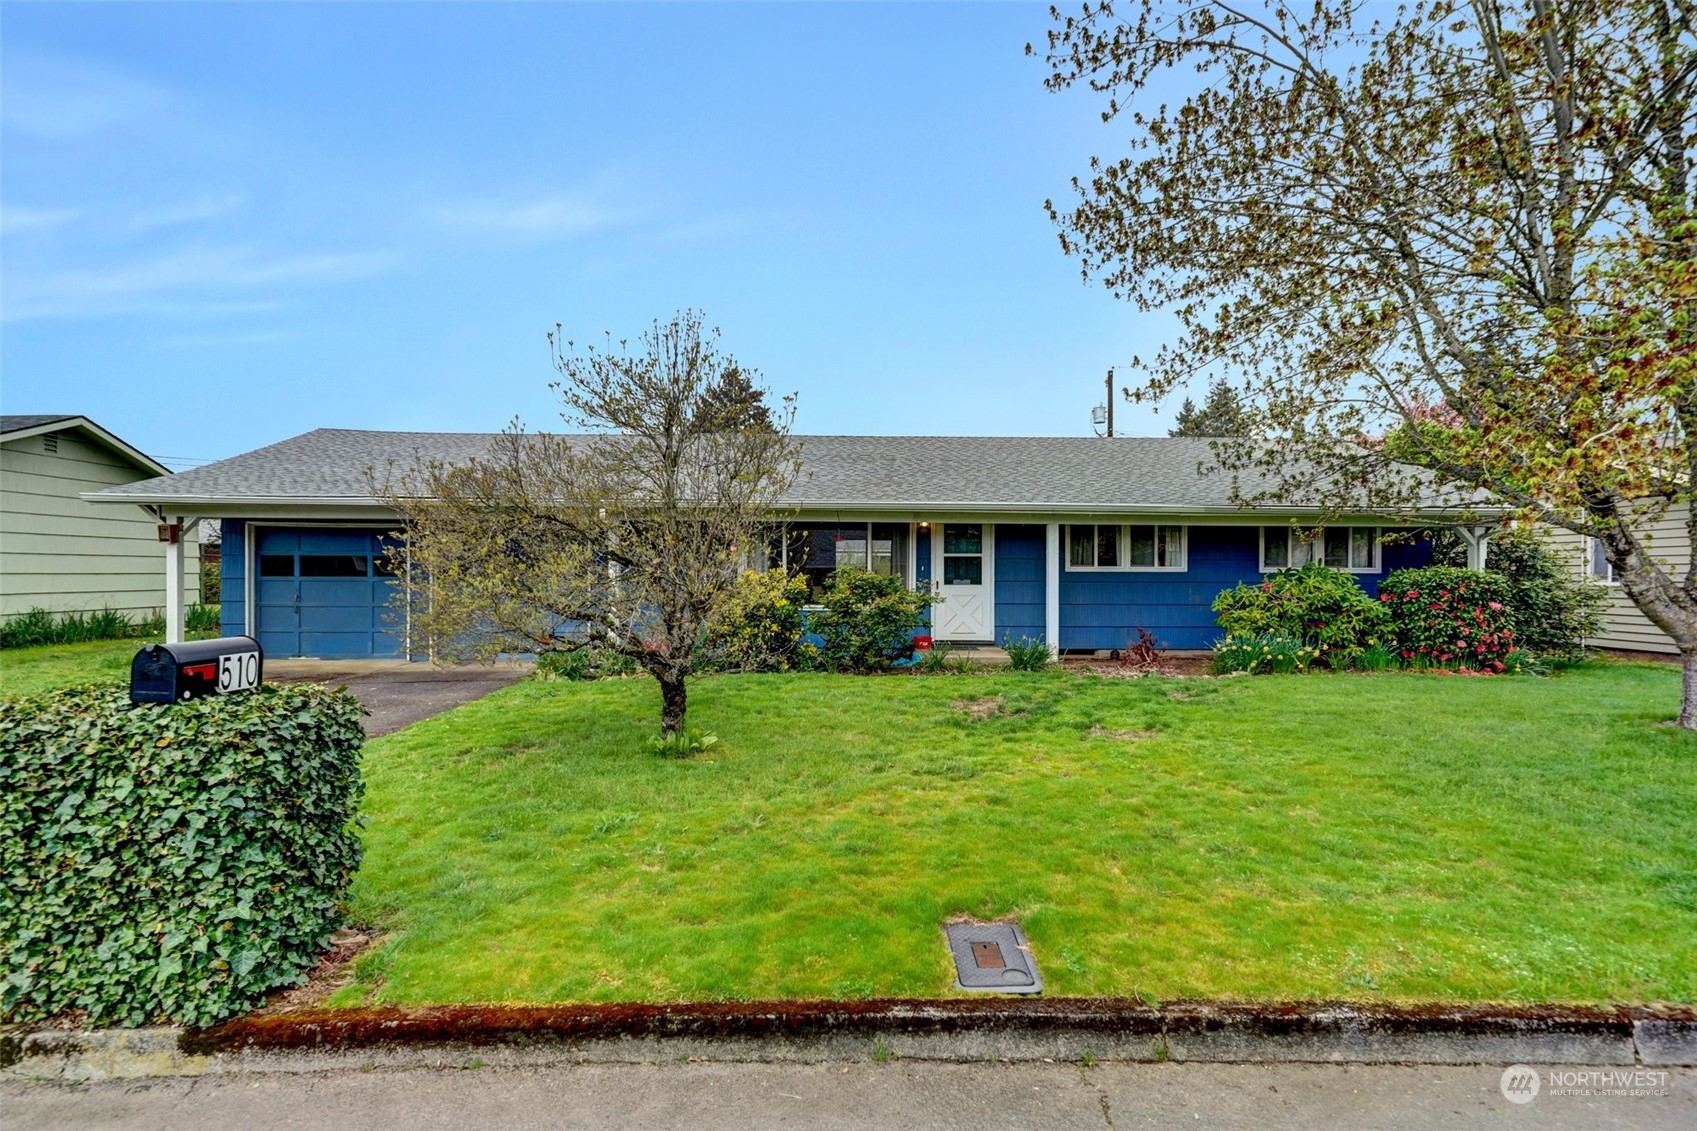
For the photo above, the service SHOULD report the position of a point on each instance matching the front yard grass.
(48, 667)
(1364, 837)
(44, 667)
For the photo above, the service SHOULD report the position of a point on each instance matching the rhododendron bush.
(1448, 617)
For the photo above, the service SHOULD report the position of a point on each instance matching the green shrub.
(41, 626)
(201, 618)
(681, 743)
(759, 627)
(1555, 607)
(1448, 617)
(28, 629)
(939, 659)
(171, 862)
(1028, 655)
(590, 662)
(867, 622)
(1522, 662)
(1377, 658)
(211, 582)
(1321, 607)
(1277, 653)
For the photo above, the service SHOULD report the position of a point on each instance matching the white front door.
(963, 569)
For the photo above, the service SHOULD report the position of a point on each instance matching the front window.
(1353, 549)
(817, 550)
(1133, 547)
(1599, 566)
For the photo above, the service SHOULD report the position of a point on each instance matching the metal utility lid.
(992, 957)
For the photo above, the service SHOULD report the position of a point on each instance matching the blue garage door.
(323, 593)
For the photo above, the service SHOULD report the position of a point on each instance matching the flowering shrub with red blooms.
(1450, 618)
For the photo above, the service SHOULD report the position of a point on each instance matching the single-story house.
(1078, 542)
(58, 552)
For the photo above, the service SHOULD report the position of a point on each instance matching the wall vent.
(50, 443)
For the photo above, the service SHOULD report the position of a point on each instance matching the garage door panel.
(279, 591)
(337, 542)
(332, 603)
(336, 645)
(326, 592)
(338, 618)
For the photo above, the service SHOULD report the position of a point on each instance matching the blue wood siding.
(1104, 609)
(1019, 582)
(232, 579)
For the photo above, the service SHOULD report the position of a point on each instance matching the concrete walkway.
(396, 692)
(711, 1097)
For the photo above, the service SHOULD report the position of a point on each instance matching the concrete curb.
(971, 1030)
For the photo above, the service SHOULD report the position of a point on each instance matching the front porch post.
(1052, 588)
(1477, 539)
(174, 532)
(171, 534)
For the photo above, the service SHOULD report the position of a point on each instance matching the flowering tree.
(626, 536)
(1454, 244)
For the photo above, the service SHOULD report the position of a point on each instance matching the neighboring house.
(59, 552)
(1075, 541)
(1624, 626)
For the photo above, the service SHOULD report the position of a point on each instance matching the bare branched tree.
(626, 535)
(1452, 245)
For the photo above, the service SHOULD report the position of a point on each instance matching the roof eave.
(236, 505)
(65, 423)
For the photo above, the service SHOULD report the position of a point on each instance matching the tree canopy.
(626, 534)
(1449, 241)
(1221, 414)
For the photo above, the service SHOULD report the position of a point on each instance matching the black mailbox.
(195, 669)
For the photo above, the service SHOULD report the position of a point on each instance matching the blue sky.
(225, 225)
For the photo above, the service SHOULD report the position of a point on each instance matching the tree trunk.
(1688, 691)
(672, 696)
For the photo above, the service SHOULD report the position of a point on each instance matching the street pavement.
(900, 1094)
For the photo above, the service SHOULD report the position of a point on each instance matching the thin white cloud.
(177, 279)
(225, 341)
(551, 218)
(64, 99)
(16, 218)
(180, 213)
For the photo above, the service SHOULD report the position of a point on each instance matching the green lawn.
(1391, 836)
(24, 671)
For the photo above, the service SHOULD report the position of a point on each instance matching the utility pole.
(1110, 403)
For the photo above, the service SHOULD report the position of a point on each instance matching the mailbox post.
(196, 669)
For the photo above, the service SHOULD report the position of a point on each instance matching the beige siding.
(1626, 627)
(61, 553)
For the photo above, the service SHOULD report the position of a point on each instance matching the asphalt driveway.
(396, 692)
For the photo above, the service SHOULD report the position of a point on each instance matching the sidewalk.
(947, 1097)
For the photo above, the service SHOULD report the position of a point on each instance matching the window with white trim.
(1136, 546)
(816, 550)
(1352, 549)
(1598, 565)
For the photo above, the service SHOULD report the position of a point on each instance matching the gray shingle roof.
(17, 423)
(1079, 474)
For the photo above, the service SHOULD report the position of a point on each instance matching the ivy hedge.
(171, 863)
